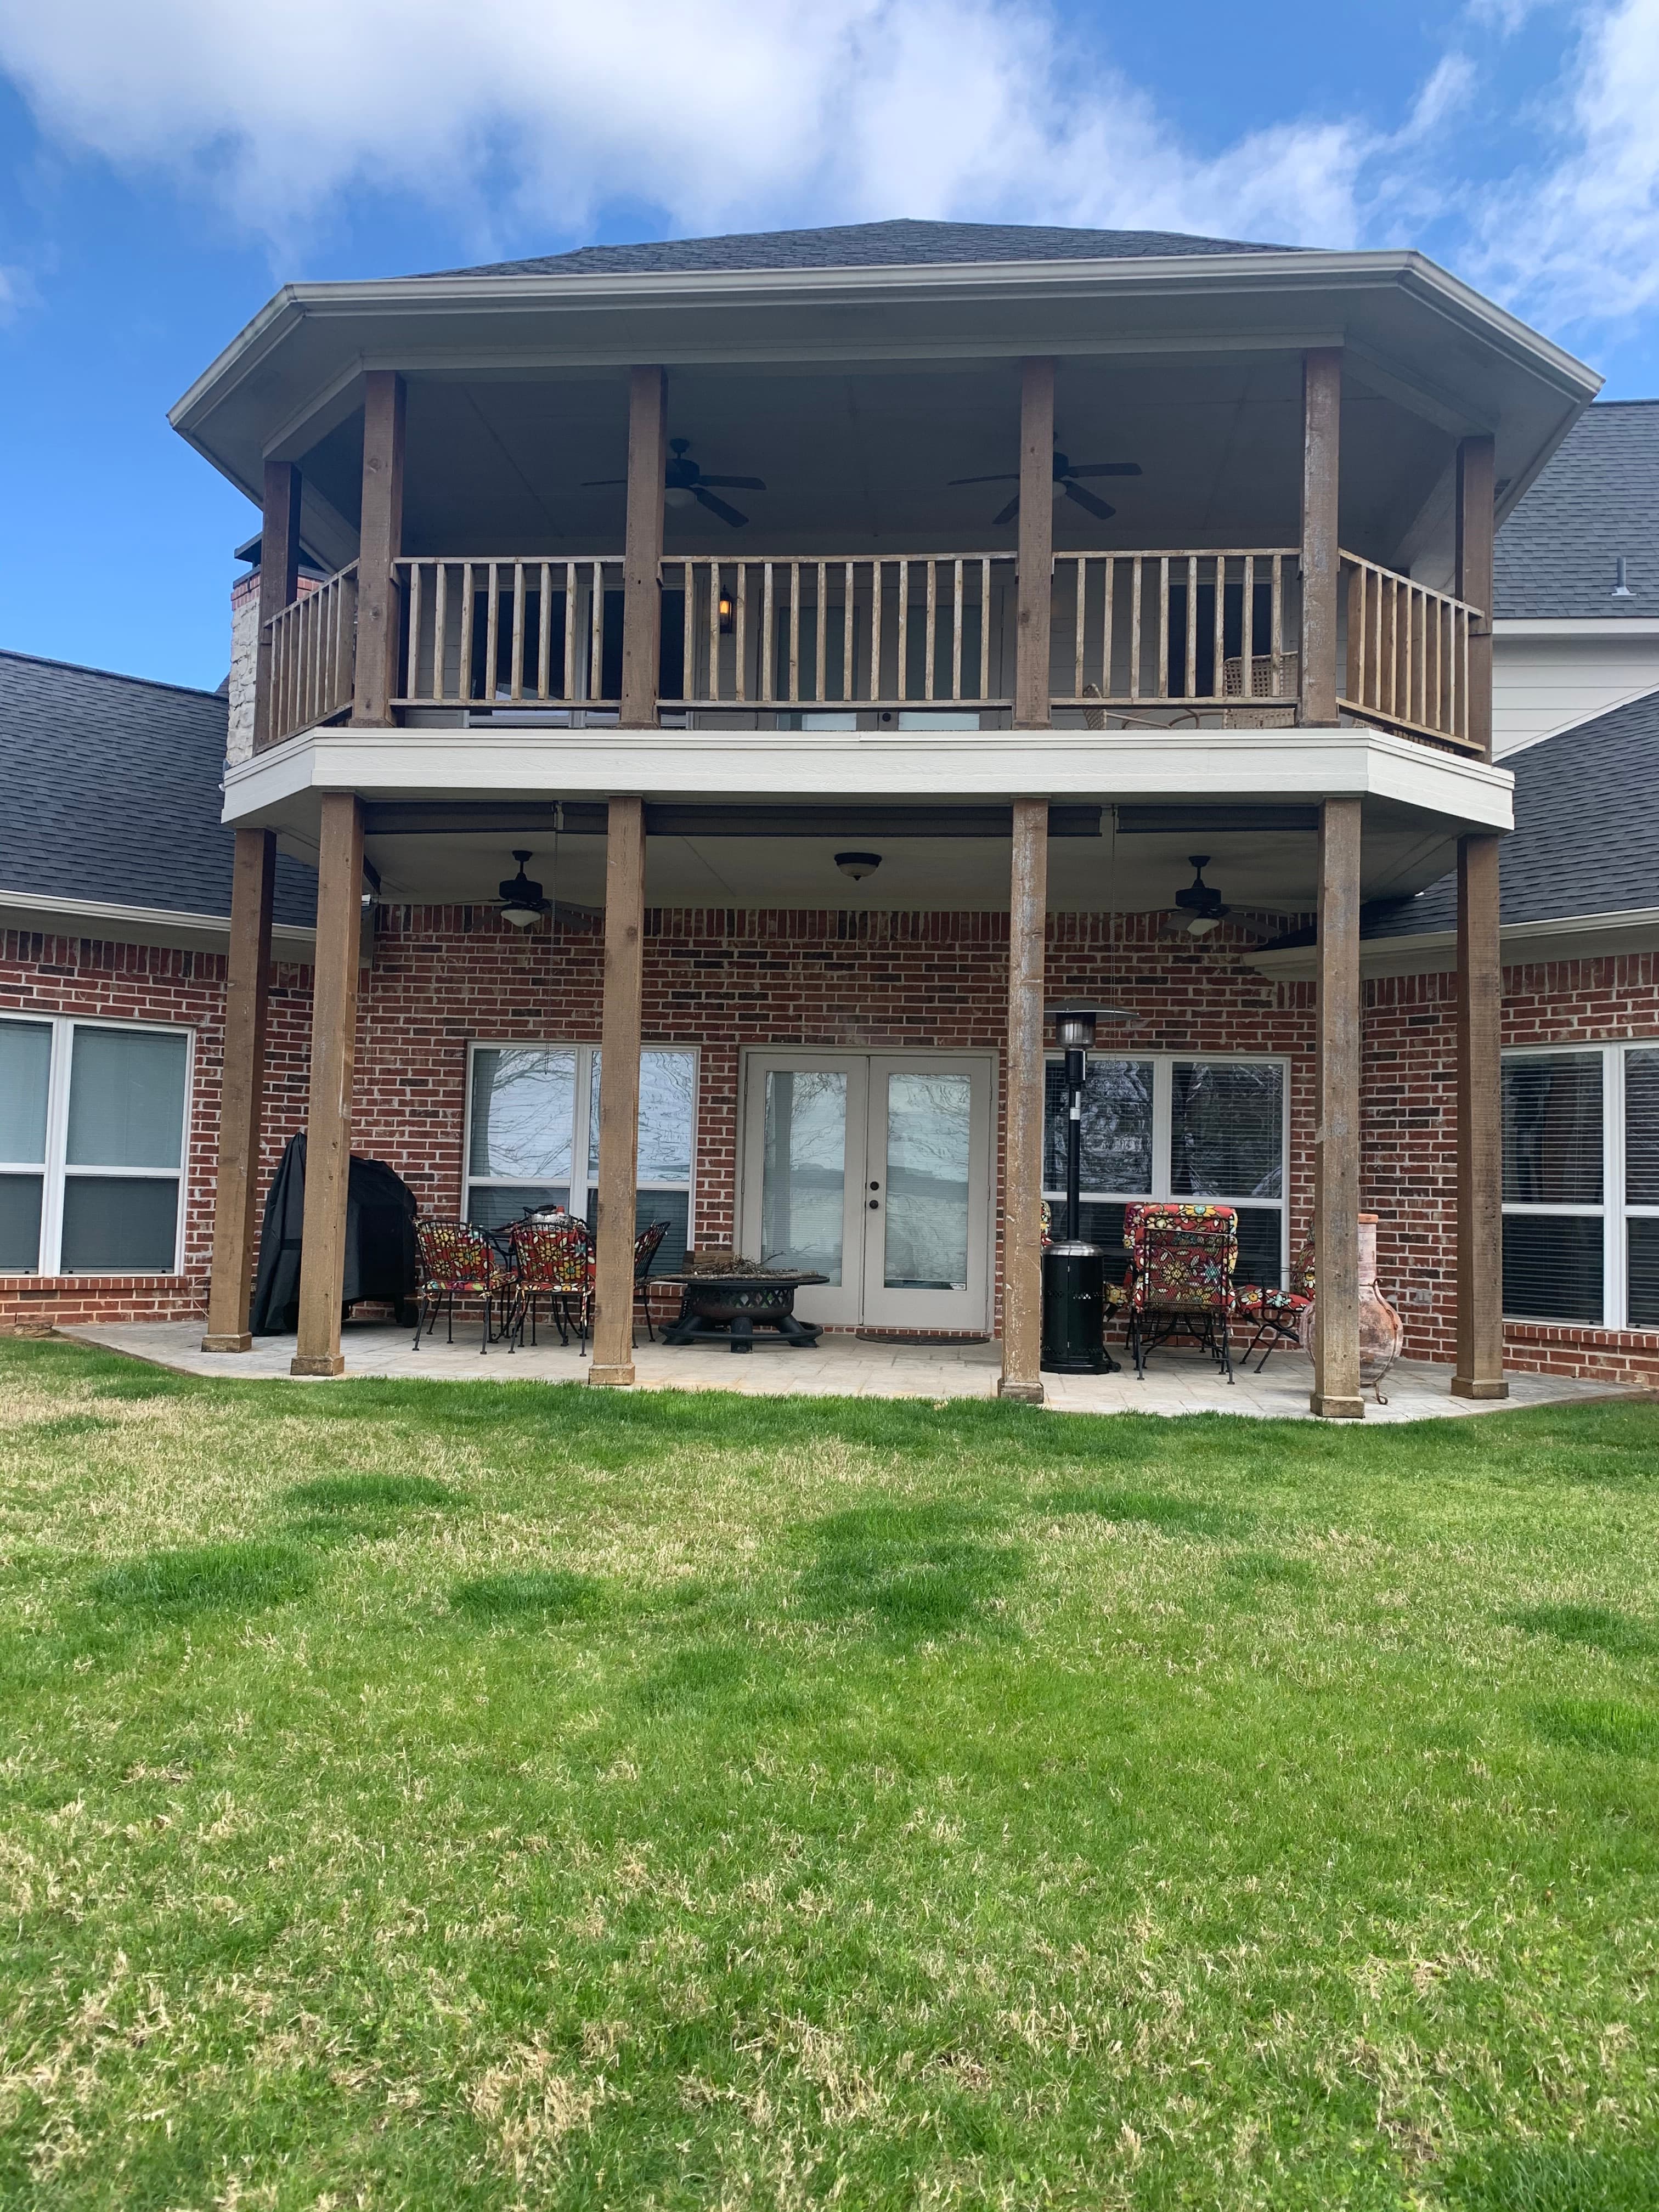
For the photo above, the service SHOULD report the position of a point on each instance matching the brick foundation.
(723, 980)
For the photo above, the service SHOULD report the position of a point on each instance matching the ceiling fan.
(1199, 905)
(1066, 486)
(684, 483)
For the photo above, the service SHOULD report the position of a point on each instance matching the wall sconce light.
(727, 614)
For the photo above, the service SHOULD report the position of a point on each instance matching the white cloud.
(1581, 241)
(721, 113)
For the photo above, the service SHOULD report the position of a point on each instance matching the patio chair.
(1182, 1262)
(553, 1259)
(647, 1245)
(1278, 1316)
(457, 1260)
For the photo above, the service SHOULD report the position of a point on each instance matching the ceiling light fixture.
(858, 865)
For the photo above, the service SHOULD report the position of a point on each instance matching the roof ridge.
(111, 675)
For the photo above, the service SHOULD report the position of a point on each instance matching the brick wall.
(1409, 1137)
(722, 981)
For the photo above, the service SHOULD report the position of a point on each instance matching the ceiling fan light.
(1201, 925)
(678, 496)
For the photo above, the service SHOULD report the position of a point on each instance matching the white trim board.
(110, 923)
(1573, 937)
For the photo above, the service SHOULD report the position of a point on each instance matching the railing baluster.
(985, 628)
(955, 631)
(715, 690)
(1164, 626)
(1246, 634)
(412, 658)
(1218, 642)
(688, 635)
(1135, 629)
(768, 682)
(876, 567)
(930, 629)
(794, 633)
(902, 690)
(1276, 631)
(1079, 612)
(1107, 618)
(492, 683)
(596, 633)
(740, 632)
(1190, 673)
(821, 639)
(468, 591)
(515, 683)
(544, 632)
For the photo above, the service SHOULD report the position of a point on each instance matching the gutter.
(1430, 952)
(172, 926)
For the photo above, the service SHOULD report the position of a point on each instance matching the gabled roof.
(112, 793)
(1597, 499)
(899, 244)
(1586, 830)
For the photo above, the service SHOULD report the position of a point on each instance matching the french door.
(873, 1169)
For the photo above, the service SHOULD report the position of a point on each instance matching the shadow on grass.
(208, 1578)
(1175, 1516)
(1597, 1625)
(913, 1571)
(548, 1594)
(1599, 1724)
(1540, 2178)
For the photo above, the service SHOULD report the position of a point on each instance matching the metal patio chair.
(553, 1260)
(457, 1260)
(1181, 1262)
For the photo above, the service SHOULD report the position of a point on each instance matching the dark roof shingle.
(1597, 499)
(901, 244)
(112, 793)
(1584, 829)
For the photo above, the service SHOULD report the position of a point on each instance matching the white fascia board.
(1220, 274)
(1289, 765)
(1589, 628)
(137, 925)
(1570, 937)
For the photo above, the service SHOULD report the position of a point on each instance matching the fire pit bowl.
(733, 1305)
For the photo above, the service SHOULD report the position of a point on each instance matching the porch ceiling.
(1269, 873)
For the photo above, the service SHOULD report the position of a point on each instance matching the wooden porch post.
(1322, 410)
(328, 1110)
(648, 452)
(1022, 1177)
(381, 540)
(1476, 529)
(620, 1022)
(279, 580)
(1336, 1137)
(1480, 1369)
(1032, 710)
(241, 1088)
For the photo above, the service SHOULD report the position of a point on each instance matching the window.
(1581, 1186)
(92, 1130)
(1160, 1127)
(534, 1136)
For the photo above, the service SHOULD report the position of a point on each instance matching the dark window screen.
(1642, 1128)
(1552, 1130)
(1117, 1127)
(1645, 1274)
(1551, 1267)
(1226, 1130)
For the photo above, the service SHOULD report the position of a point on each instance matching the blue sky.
(164, 164)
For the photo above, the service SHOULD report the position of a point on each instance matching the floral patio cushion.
(457, 1260)
(1182, 1257)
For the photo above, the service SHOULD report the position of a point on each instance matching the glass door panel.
(802, 1174)
(928, 1207)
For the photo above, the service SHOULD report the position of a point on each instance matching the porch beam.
(1336, 1134)
(620, 1024)
(648, 454)
(1032, 710)
(1322, 423)
(333, 1057)
(1480, 1369)
(241, 1090)
(381, 542)
(1476, 531)
(279, 579)
(1021, 1174)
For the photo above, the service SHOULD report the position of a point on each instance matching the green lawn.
(454, 1796)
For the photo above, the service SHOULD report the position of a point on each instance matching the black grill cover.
(379, 1254)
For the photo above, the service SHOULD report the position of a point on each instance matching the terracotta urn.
(1382, 1331)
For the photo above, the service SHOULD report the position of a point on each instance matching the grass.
(487, 1795)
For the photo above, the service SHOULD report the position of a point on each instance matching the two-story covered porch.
(862, 655)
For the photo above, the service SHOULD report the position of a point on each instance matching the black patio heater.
(1075, 1270)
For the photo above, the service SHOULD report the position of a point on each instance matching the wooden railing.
(312, 646)
(1220, 629)
(1408, 654)
(510, 633)
(909, 630)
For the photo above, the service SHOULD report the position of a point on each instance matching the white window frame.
(1163, 1064)
(582, 1179)
(55, 1171)
(1614, 1214)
